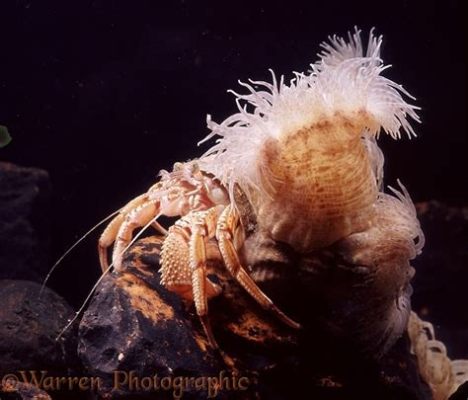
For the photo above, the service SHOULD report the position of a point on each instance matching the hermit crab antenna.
(69, 250)
(70, 323)
(93, 289)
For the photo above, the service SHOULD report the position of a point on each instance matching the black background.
(104, 94)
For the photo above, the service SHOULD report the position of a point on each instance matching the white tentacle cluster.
(443, 375)
(346, 79)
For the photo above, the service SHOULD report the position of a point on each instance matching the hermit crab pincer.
(297, 164)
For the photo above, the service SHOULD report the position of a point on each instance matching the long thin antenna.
(72, 247)
(70, 323)
(93, 289)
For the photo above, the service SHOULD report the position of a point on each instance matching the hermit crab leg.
(184, 261)
(203, 226)
(227, 223)
(108, 236)
(139, 216)
(176, 274)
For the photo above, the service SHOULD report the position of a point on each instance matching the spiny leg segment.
(184, 262)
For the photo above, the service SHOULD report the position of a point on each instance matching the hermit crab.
(298, 164)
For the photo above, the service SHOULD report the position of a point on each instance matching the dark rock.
(24, 222)
(29, 326)
(338, 304)
(345, 376)
(11, 390)
(135, 324)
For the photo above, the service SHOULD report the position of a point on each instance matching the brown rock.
(134, 324)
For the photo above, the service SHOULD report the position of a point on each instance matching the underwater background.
(104, 94)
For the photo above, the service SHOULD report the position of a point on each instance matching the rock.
(11, 390)
(24, 222)
(29, 326)
(345, 376)
(135, 324)
(332, 365)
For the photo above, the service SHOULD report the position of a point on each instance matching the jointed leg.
(112, 230)
(110, 233)
(138, 217)
(203, 227)
(184, 262)
(227, 224)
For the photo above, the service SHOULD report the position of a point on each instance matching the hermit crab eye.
(195, 169)
(178, 166)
